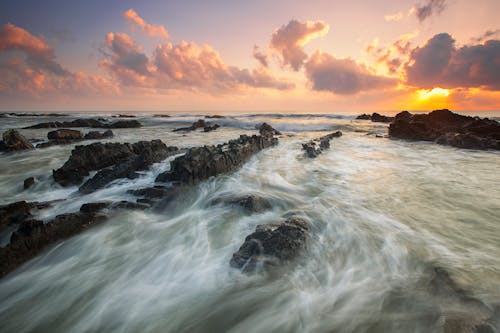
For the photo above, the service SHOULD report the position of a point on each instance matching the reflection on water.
(381, 210)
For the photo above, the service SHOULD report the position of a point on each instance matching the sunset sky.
(271, 56)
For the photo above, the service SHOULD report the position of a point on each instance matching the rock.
(250, 203)
(95, 135)
(215, 116)
(161, 115)
(92, 123)
(315, 147)
(270, 245)
(144, 155)
(378, 118)
(150, 192)
(204, 162)
(28, 182)
(210, 128)
(123, 116)
(97, 156)
(197, 124)
(13, 141)
(266, 130)
(15, 213)
(65, 134)
(364, 116)
(95, 207)
(447, 128)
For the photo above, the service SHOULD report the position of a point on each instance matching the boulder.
(28, 182)
(210, 128)
(65, 134)
(204, 162)
(271, 245)
(13, 141)
(95, 135)
(364, 116)
(448, 128)
(315, 147)
(250, 203)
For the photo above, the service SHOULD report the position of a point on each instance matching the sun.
(431, 99)
(426, 94)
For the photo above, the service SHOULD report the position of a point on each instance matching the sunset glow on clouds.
(150, 66)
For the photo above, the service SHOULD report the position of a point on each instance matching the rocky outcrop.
(315, 147)
(144, 156)
(92, 123)
(204, 162)
(271, 245)
(95, 135)
(448, 128)
(13, 141)
(267, 130)
(198, 124)
(65, 134)
(98, 156)
(375, 117)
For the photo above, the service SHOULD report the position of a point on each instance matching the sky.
(250, 56)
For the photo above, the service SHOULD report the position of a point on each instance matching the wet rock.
(375, 117)
(215, 116)
(15, 213)
(95, 207)
(197, 124)
(144, 155)
(447, 128)
(98, 156)
(150, 192)
(267, 130)
(65, 134)
(92, 123)
(28, 182)
(161, 116)
(95, 135)
(123, 116)
(13, 141)
(210, 128)
(271, 244)
(250, 203)
(204, 162)
(315, 147)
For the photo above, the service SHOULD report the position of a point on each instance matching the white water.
(382, 211)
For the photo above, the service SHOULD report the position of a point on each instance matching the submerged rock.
(271, 245)
(250, 203)
(13, 141)
(92, 123)
(204, 162)
(97, 156)
(447, 128)
(315, 147)
(28, 182)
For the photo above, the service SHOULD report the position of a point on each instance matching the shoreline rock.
(271, 245)
(315, 147)
(375, 117)
(200, 123)
(14, 141)
(447, 128)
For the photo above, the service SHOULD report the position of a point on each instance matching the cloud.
(440, 63)
(342, 76)
(289, 40)
(189, 65)
(36, 51)
(260, 56)
(431, 7)
(394, 17)
(152, 30)
(489, 34)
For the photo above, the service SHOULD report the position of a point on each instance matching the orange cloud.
(289, 40)
(152, 30)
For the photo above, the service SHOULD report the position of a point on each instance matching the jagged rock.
(271, 244)
(250, 203)
(95, 135)
(144, 155)
(28, 182)
(376, 118)
(65, 134)
(97, 156)
(92, 123)
(13, 140)
(266, 130)
(448, 128)
(204, 162)
(315, 147)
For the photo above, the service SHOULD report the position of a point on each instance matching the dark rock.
(447, 128)
(123, 116)
(15, 213)
(204, 162)
(150, 192)
(65, 134)
(28, 182)
(267, 130)
(129, 205)
(144, 155)
(95, 135)
(95, 207)
(378, 118)
(197, 124)
(210, 128)
(270, 245)
(161, 115)
(364, 116)
(250, 203)
(215, 116)
(315, 147)
(97, 156)
(92, 123)
(13, 140)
